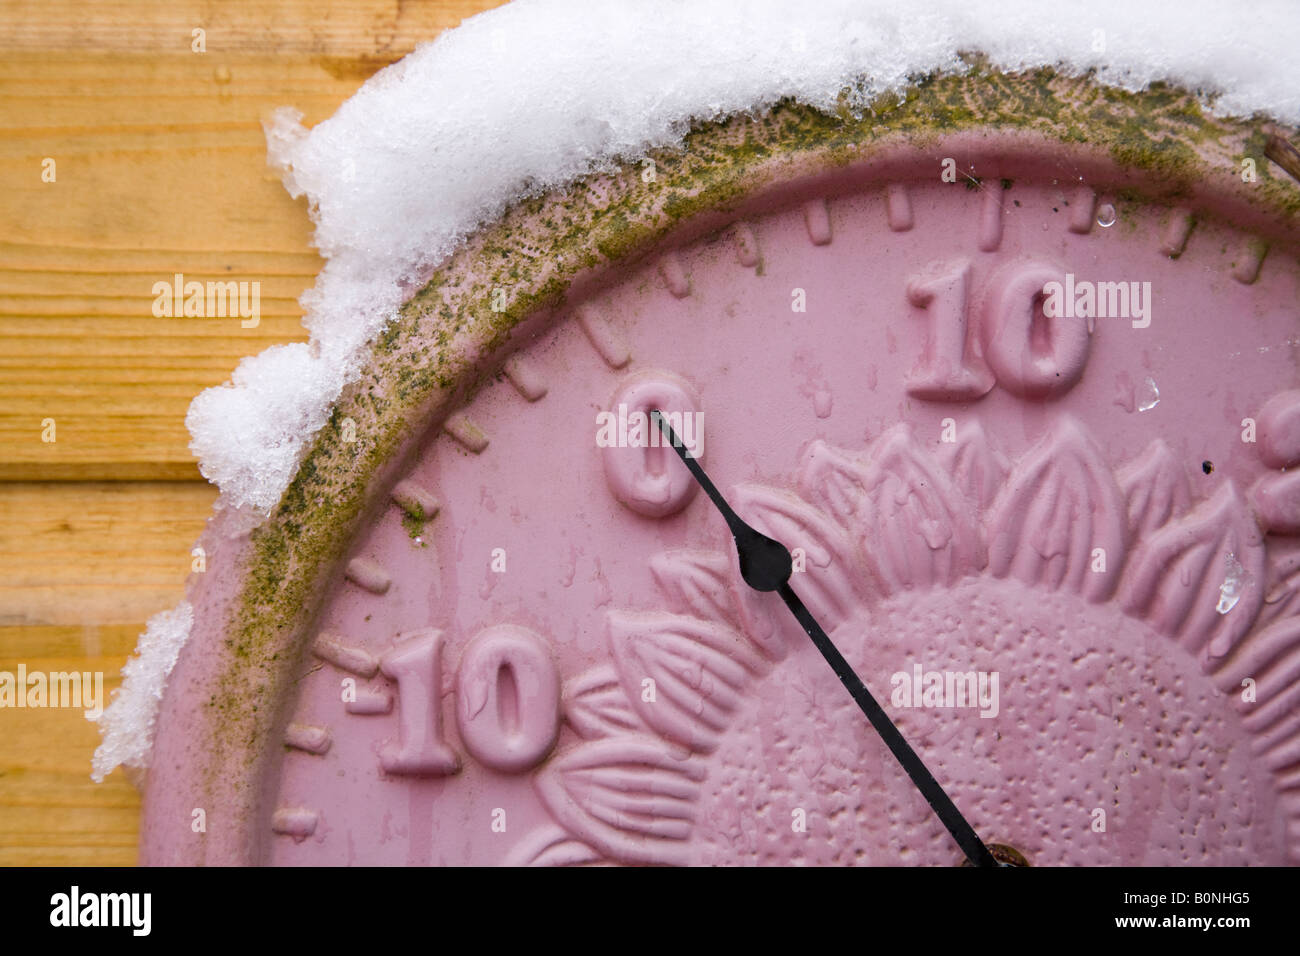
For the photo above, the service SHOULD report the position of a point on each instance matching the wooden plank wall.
(159, 167)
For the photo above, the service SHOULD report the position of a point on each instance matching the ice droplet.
(1152, 397)
(1232, 586)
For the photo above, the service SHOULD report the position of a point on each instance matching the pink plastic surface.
(543, 673)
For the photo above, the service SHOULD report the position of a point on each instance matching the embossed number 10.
(507, 702)
(1013, 344)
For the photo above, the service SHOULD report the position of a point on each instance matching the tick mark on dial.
(297, 822)
(525, 377)
(1174, 240)
(308, 738)
(1081, 212)
(415, 500)
(329, 647)
(817, 218)
(368, 574)
(746, 246)
(674, 274)
(603, 337)
(1249, 260)
(463, 430)
(990, 221)
(899, 207)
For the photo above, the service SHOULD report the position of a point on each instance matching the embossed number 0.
(639, 472)
(508, 699)
(1031, 354)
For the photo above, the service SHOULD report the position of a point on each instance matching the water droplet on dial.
(1151, 396)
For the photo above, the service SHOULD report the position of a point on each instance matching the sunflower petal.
(699, 670)
(914, 527)
(696, 582)
(631, 798)
(826, 575)
(1060, 521)
(1155, 487)
(550, 845)
(596, 705)
(1200, 579)
(977, 469)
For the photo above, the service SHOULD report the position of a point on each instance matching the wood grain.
(96, 553)
(160, 168)
(51, 812)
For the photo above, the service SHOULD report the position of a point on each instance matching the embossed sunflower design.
(1141, 638)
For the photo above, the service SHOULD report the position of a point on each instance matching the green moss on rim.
(535, 251)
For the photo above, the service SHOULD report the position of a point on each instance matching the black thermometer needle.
(766, 565)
